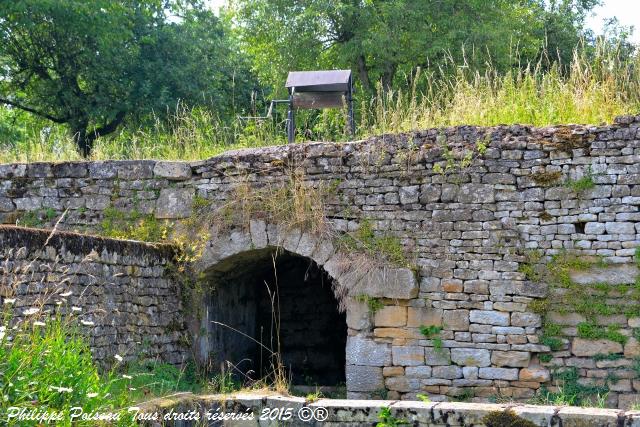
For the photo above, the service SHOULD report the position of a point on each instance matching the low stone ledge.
(35, 239)
(343, 412)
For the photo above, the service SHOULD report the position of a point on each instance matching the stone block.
(613, 275)
(435, 357)
(365, 351)
(173, 171)
(514, 359)
(364, 378)
(535, 374)
(417, 317)
(526, 319)
(387, 282)
(586, 348)
(446, 372)
(408, 355)
(489, 317)
(391, 315)
(632, 348)
(508, 374)
(455, 320)
(470, 357)
(174, 203)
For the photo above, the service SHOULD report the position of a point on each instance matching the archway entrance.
(267, 300)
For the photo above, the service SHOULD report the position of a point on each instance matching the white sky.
(627, 12)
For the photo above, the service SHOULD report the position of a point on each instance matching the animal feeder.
(317, 90)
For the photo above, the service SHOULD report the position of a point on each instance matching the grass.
(590, 90)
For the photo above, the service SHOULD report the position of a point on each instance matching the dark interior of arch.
(261, 291)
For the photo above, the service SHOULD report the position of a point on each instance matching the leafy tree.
(380, 39)
(94, 65)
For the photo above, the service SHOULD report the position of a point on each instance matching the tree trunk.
(363, 73)
(81, 139)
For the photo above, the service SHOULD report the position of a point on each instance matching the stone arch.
(229, 253)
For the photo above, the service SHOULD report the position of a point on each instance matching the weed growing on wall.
(133, 225)
(569, 391)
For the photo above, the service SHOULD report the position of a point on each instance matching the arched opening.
(278, 300)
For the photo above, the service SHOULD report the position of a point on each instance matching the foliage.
(383, 246)
(545, 357)
(582, 184)
(506, 418)
(592, 89)
(589, 330)
(384, 40)
(48, 365)
(433, 333)
(94, 65)
(37, 218)
(133, 225)
(374, 304)
(387, 419)
(570, 391)
(423, 398)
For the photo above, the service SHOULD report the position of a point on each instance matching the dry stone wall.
(119, 291)
(469, 224)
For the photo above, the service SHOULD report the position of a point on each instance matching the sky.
(627, 12)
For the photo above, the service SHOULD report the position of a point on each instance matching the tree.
(93, 65)
(380, 38)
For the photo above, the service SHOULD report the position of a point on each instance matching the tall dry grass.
(594, 88)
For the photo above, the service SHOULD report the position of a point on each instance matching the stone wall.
(119, 291)
(468, 232)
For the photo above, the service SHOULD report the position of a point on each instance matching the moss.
(133, 225)
(591, 331)
(546, 179)
(506, 418)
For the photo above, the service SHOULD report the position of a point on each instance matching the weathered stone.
(446, 372)
(489, 317)
(389, 283)
(526, 319)
(470, 357)
(632, 348)
(515, 359)
(586, 348)
(364, 351)
(456, 320)
(174, 203)
(434, 356)
(408, 355)
(612, 275)
(535, 373)
(424, 317)
(509, 374)
(364, 378)
(391, 316)
(409, 194)
(175, 171)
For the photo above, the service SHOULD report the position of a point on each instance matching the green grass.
(46, 365)
(589, 90)
(591, 331)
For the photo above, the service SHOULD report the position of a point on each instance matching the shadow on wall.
(272, 301)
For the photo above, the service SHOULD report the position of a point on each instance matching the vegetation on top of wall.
(133, 225)
(506, 418)
(385, 246)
